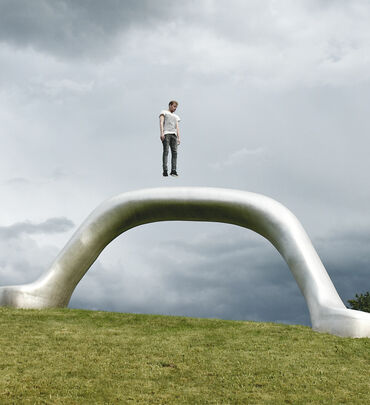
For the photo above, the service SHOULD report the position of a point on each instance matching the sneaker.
(165, 173)
(174, 173)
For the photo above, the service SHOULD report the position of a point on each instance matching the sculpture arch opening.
(196, 269)
(249, 210)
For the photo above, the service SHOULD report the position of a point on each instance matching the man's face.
(173, 107)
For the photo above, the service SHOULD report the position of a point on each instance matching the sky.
(273, 98)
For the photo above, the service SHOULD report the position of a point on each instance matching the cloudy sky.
(274, 98)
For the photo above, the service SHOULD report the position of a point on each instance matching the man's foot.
(165, 173)
(174, 173)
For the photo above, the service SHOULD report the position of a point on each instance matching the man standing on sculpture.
(170, 136)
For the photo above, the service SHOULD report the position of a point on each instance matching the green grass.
(85, 357)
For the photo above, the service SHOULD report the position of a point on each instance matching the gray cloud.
(75, 28)
(56, 175)
(23, 259)
(345, 254)
(18, 181)
(50, 226)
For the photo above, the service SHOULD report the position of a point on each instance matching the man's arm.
(178, 133)
(161, 121)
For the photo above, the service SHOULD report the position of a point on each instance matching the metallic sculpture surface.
(253, 211)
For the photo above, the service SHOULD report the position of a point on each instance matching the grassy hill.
(85, 357)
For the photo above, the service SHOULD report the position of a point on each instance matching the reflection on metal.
(253, 211)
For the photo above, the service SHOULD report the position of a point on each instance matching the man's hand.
(178, 141)
(162, 137)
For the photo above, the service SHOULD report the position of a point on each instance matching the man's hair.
(173, 102)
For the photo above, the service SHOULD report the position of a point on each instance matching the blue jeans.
(170, 140)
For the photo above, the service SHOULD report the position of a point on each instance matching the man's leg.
(173, 145)
(165, 143)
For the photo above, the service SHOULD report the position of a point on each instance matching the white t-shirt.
(170, 122)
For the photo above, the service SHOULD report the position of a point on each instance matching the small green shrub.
(361, 303)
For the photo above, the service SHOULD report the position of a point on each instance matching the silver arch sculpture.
(253, 211)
